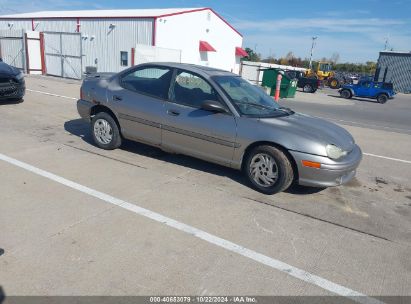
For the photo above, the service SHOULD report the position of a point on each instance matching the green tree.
(252, 55)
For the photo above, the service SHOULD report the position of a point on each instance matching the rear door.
(189, 129)
(138, 97)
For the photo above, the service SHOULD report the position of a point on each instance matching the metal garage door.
(12, 48)
(63, 54)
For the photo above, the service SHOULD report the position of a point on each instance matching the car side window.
(366, 84)
(292, 74)
(153, 81)
(192, 90)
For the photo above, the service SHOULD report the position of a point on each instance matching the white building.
(112, 40)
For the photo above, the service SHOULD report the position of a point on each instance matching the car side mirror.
(213, 106)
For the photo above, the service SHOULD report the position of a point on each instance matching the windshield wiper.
(257, 105)
(286, 110)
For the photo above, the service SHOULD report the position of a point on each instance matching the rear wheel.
(382, 98)
(106, 133)
(268, 169)
(346, 94)
(308, 88)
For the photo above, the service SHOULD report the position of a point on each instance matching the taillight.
(81, 94)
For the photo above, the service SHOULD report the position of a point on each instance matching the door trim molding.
(208, 138)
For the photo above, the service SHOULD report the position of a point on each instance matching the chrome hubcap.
(264, 170)
(103, 131)
(307, 88)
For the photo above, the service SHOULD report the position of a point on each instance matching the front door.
(189, 129)
(363, 88)
(138, 98)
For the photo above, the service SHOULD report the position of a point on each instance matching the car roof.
(200, 69)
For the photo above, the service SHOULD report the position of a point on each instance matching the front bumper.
(331, 173)
(12, 91)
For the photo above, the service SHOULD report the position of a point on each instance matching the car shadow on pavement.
(81, 128)
(356, 98)
(2, 295)
(296, 189)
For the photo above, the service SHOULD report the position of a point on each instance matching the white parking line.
(195, 232)
(51, 94)
(389, 158)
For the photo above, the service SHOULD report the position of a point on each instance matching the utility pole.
(312, 50)
(386, 43)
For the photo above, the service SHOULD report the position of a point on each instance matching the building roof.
(395, 53)
(105, 13)
(125, 13)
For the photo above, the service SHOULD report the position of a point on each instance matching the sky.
(355, 29)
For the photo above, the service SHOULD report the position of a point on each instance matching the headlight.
(20, 76)
(335, 152)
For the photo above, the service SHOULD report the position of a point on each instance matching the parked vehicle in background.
(12, 84)
(308, 84)
(219, 117)
(324, 72)
(367, 88)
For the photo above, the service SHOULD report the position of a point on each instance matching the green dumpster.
(288, 85)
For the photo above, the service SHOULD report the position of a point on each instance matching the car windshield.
(249, 99)
(326, 67)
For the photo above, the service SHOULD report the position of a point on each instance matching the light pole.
(312, 50)
(386, 43)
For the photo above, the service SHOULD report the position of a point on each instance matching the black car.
(309, 85)
(12, 84)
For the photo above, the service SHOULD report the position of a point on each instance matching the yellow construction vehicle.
(324, 73)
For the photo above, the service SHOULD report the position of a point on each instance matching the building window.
(124, 58)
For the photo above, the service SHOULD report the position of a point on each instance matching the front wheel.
(268, 169)
(382, 98)
(106, 133)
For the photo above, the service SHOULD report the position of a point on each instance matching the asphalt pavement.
(78, 220)
(394, 116)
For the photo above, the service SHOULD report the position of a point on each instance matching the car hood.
(307, 128)
(8, 70)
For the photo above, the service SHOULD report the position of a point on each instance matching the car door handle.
(117, 98)
(172, 113)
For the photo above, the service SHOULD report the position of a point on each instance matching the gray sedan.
(219, 117)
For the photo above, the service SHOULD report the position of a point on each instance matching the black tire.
(333, 83)
(346, 94)
(16, 100)
(308, 88)
(113, 132)
(382, 98)
(284, 169)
